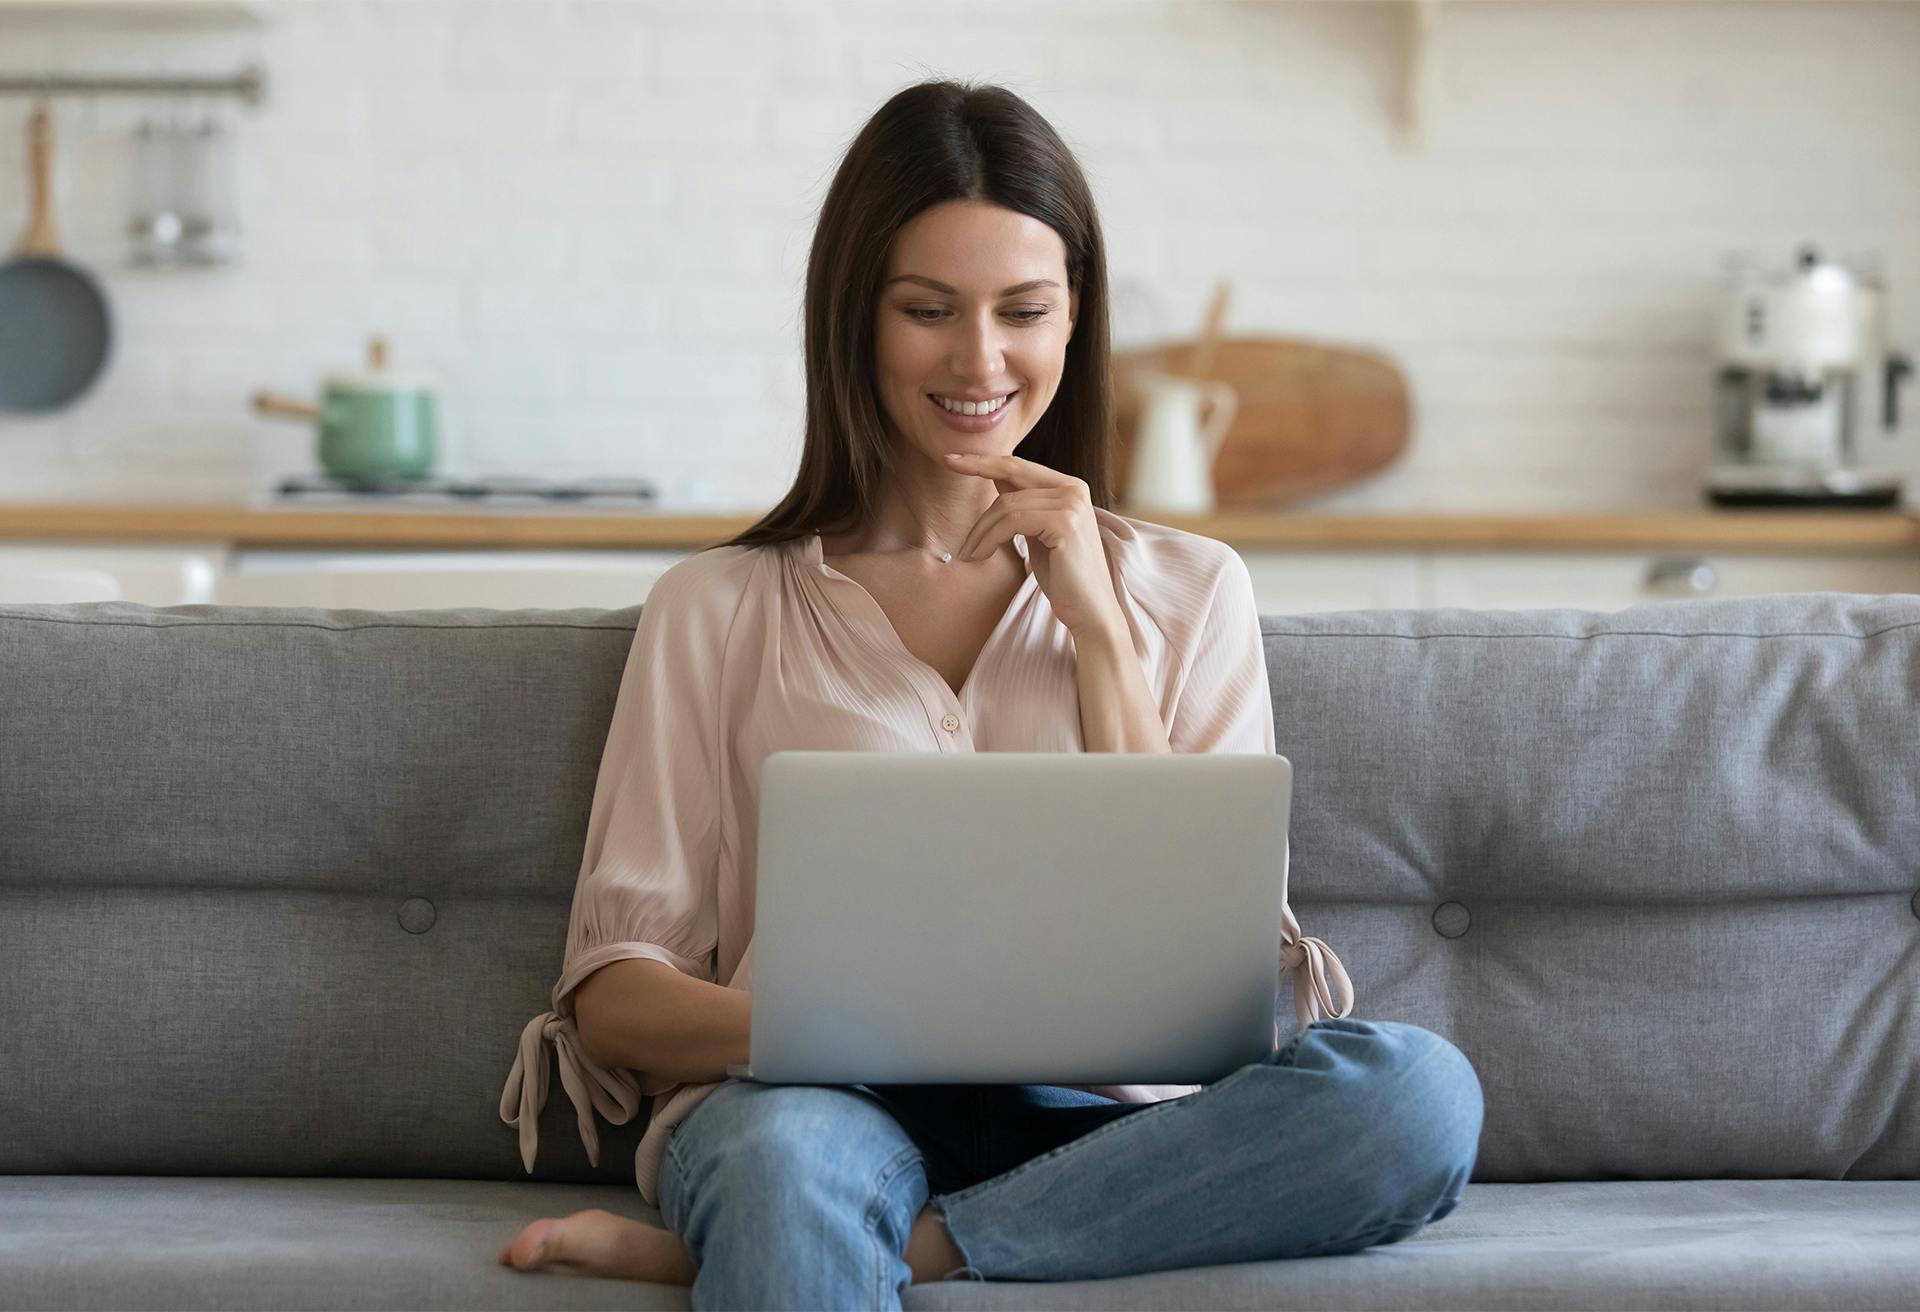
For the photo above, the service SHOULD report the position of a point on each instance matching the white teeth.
(972, 407)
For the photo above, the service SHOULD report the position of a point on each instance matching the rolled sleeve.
(646, 888)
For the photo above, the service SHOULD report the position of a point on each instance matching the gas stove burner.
(470, 489)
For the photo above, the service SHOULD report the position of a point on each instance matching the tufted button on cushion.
(416, 915)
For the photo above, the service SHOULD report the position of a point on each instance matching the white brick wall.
(591, 217)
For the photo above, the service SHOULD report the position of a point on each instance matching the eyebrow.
(1014, 290)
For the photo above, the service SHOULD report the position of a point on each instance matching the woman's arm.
(644, 1015)
(1117, 712)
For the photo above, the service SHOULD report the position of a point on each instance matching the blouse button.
(950, 722)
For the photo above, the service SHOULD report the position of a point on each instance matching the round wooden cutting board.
(1312, 418)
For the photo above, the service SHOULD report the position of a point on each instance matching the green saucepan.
(374, 426)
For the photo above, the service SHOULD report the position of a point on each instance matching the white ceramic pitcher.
(1173, 450)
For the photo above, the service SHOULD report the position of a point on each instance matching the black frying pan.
(54, 326)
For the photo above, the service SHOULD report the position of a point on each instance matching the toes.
(531, 1248)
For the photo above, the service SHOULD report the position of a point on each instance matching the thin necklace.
(946, 557)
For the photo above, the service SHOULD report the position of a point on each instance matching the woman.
(922, 587)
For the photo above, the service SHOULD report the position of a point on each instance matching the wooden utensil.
(1211, 332)
(1312, 417)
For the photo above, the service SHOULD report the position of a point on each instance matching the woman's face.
(985, 329)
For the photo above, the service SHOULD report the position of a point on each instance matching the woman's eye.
(1024, 316)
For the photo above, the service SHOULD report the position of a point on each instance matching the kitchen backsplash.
(590, 219)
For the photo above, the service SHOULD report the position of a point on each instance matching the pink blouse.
(739, 652)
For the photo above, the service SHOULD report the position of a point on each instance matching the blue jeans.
(1354, 1133)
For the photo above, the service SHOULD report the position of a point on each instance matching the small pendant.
(946, 557)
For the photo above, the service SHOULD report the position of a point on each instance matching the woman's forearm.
(1117, 713)
(644, 1015)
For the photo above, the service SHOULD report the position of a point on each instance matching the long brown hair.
(936, 141)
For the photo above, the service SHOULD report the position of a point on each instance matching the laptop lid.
(1017, 917)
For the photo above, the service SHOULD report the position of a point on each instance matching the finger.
(1006, 502)
(1011, 469)
(1032, 523)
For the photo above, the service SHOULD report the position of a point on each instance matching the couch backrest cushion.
(279, 887)
(1656, 872)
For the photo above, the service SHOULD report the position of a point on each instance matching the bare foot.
(596, 1242)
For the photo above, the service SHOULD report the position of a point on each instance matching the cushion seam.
(1613, 633)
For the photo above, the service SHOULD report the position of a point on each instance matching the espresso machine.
(1809, 390)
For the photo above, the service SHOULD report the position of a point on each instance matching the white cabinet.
(1285, 581)
(1611, 580)
(169, 574)
(1292, 582)
(432, 580)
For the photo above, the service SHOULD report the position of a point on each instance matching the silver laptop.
(1017, 917)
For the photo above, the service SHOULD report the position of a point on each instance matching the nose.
(980, 348)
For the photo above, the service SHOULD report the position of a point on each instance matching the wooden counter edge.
(1707, 528)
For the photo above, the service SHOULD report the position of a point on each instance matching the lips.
(980, 423)
(1005, 399)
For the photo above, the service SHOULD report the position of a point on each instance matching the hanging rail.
(250, 84)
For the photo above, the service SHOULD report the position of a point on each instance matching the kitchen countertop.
(523, 527)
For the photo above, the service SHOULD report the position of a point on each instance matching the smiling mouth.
(1005, 399)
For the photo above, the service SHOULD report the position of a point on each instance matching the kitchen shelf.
(146, 13)
(250, 85)
(628, 529)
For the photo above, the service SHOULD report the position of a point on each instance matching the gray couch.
(279, 887)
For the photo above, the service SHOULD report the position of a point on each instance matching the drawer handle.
(1690, 574)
